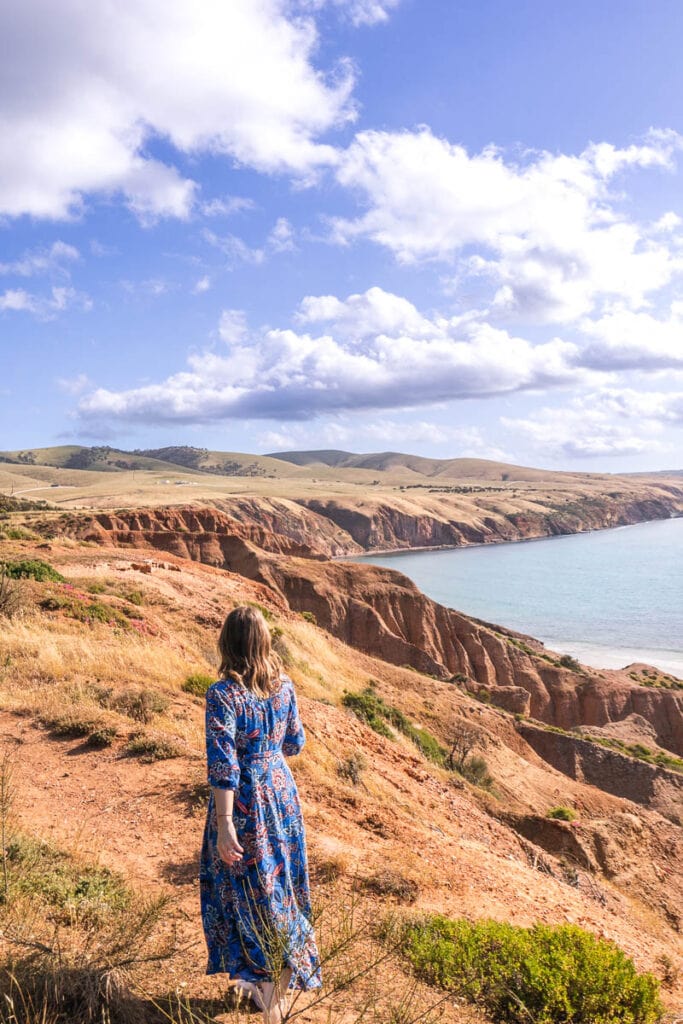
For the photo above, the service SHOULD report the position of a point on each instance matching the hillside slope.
(617, 871)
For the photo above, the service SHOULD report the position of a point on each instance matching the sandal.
(272, 998)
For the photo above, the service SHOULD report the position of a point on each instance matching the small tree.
(462, 742)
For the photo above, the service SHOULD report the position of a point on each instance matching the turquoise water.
(607, 597)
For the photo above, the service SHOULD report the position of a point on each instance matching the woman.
(255, 896)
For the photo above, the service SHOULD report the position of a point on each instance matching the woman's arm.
(294, 738)
(223, 770)
(229, 849)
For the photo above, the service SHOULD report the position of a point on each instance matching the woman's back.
(255, 895)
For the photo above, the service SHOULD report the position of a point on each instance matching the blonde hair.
(245, 650)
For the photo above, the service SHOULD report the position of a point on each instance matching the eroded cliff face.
(381, 612)
(609, 770)
(378, 525)
(200, 534)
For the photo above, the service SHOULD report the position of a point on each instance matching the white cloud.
(152, 287)
(74, 385)
(372, 312)
(44, 307)
(202, 285)
(281, 238)
(281, 374)
(546, 231)
(51, 259)
(600, 424)
(626, 340)
(358, 12)
(89, 85)
(226, 206)
(232, 327)
(236, 249)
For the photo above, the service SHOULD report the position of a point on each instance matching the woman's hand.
(229, 849)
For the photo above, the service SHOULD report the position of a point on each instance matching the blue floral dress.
(256, 912)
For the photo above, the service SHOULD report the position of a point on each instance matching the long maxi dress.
(256, 912)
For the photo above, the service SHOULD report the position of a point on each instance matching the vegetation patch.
(562, 813)
(140, 704)
(149, 747)
(566, 661)
(546, 973)
(352, 767)
(71, 891)
(197, 684)
(18, 533)
(32, 568)
(74, 937)
(392, 884)
(375, 712)
(652, 677)
(72, 725)
(78, 606)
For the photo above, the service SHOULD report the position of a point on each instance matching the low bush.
(391, 883)
(309, 617)
(32, 568)
(546, 973)
(85, 893)
(142, 705)
(476, 770)
(197, 684)
(11, 595)
(566, 661)
(18, 533)
(151, 748)
(84, 611)
(352, 767)
(561, 813)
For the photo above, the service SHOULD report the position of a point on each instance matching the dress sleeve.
(294, 737)
(223, 769)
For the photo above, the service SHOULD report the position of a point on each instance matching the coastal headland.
(146, 559)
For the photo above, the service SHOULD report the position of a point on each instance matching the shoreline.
(380, 552)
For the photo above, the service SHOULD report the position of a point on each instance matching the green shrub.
(309, 617)
(71, 891)
(135, 597)
(89, 612)
(152, 748)
(562, 813)
(566, 661)
(365, 706)
(32, 568)
(546, 973)
(372, 709)
(197, 684)
(476, 770)
(18, 533)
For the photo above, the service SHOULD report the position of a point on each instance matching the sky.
(449, 227)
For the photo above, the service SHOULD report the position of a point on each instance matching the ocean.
(607, 597)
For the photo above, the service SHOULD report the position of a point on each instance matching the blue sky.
(453, 228)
